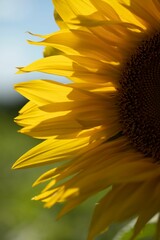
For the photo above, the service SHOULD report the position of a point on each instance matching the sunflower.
(101, 130)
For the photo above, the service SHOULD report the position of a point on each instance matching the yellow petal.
(148, 12)
(78, 42)
(70, 10)
(44, 92)
(121, 203)
(50, 151)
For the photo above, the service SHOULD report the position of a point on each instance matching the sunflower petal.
(50, 151)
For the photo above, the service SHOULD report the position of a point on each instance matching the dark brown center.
(139, 97)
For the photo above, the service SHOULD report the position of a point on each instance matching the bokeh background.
(21, 218)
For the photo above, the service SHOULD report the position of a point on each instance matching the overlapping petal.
(79, 121)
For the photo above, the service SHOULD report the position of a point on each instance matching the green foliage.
(146, 234)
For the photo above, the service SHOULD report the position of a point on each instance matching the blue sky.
(16, 18)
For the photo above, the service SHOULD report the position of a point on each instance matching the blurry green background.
(21, 218)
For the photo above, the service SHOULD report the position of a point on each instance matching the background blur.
(21, 218)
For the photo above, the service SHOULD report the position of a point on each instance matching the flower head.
(103, 128)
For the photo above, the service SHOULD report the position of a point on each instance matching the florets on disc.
(139, 97)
